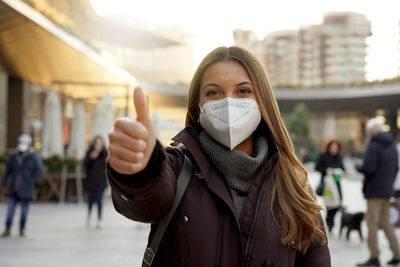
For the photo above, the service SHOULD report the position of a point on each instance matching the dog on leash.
(352, 221)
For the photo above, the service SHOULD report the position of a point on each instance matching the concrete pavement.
(57, 235)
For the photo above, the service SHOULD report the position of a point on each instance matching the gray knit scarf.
(240, 169)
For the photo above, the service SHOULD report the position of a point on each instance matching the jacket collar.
(189, 137)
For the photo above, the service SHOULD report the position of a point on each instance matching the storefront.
(36, 56)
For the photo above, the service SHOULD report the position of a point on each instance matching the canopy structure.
(35, 48)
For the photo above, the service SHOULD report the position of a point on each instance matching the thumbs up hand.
(132, 142)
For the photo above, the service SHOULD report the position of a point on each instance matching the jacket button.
(293, 244)
(184, 219)
(269, 263)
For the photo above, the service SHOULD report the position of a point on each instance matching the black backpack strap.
(182, 183)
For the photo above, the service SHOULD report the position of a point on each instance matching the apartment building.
(310, 56)
(343, 48)
(281, 57)
(331, 53)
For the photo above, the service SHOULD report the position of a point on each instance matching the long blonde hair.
(293, 207)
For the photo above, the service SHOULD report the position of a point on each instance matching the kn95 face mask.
(230, 121)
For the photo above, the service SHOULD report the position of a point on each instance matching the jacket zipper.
(256, 212)
(219, 242)
(253, 226)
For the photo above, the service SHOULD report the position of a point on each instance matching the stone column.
(330, 125)
(15, 111)
(3, 111)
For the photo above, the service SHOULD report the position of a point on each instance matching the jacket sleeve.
(88, 161)
(342, 164)
(320, 165)
(370, 161)
(8, 171)
(147, 196)
(38, 167)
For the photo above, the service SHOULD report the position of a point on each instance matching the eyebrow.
(244, 82)
(211, 84)
(216, 85)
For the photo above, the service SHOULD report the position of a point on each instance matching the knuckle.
(121, 122)
(132, 168)
(112, 148)
(137, 145)
(118, 124)
(138, 157)
(142, 144)
(113, 161)
(141, 130)
(112, 136)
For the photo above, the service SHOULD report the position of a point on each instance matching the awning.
(37, 50)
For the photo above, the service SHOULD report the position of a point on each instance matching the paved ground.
(57, 235)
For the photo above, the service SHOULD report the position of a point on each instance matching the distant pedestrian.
(304, 155)
(23, 169)
(396, 185)
(330, 158)
(96, 181)
(379, 167)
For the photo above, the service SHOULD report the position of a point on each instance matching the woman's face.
(225, 79)
(98, 143)
(334, 149)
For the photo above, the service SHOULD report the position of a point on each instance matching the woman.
(96, 181)
(248, 202)
(330, 159)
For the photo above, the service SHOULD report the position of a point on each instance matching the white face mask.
(230, 121)
(23, 147)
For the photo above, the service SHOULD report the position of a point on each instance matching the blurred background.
(338, 62)
(68, 69)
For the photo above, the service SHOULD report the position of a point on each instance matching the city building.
(343, 48)
(332, 53)
(281, 50)
(245, 38)
(310, 63)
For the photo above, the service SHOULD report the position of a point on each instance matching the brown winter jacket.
(206, 230)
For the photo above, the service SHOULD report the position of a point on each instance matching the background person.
(96, 181)
(249, 202)
(23, 169)
(330, 158)
(379, 168)
(396, 185)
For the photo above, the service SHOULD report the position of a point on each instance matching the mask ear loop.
(200, 110)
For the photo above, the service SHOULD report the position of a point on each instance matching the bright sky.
(211, 22)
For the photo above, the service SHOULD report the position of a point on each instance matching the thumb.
(140, 102)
